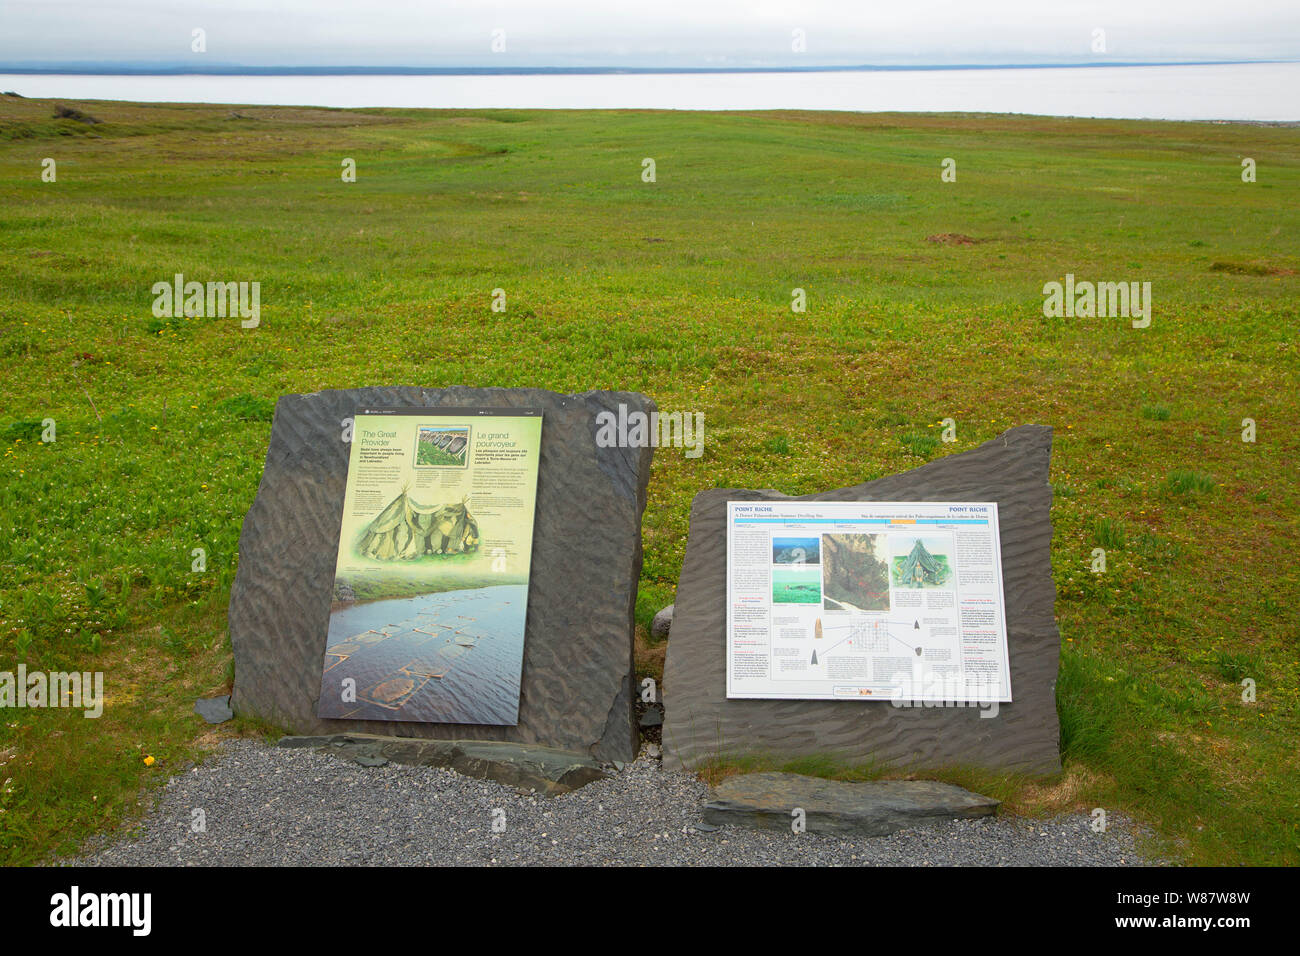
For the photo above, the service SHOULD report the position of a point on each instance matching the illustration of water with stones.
(449, 657)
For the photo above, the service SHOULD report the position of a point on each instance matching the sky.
(646, 34)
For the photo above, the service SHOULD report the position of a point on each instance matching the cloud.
(670, 33)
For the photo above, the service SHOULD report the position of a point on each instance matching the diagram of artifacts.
(866, 601)
(431, 582)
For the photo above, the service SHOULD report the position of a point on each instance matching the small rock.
(215, 710)
(662, 623)
(370, 760)
(653, 717)
(68, 112)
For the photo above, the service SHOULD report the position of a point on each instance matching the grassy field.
(681, 288)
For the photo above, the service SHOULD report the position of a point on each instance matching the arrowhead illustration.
(814, 660)
(917, 625)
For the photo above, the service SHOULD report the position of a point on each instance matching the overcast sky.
(650, 33)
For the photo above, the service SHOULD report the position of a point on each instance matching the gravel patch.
(267, 806)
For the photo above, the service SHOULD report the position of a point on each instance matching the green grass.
(1187, 482)
(680, 289)
(428, 455)
(249, 408)
(1108, 533)
(920, 444)
(373, 585)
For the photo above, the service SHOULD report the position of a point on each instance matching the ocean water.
(1252, 91)
(451, 657)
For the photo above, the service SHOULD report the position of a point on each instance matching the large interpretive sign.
(865, 600)
(431, 583)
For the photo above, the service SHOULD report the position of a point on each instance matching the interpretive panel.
(431, 584)
(865, 600)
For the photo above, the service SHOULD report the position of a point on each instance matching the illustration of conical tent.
(920, 558)
(406, 530)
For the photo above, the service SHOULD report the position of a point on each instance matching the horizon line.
(94, 69)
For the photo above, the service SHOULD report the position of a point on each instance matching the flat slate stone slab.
(576, 691)
(871, 808)
(215, 710)
(702, 724)
(544, 769)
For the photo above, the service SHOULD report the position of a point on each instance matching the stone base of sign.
(702, 725)
(576, 692)
(542, 769)
(874, 808)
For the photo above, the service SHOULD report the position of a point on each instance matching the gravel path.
(269, 806)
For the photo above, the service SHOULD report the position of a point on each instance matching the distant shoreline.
(1261, 92)
(84, 69)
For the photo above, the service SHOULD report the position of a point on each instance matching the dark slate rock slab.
(543, 769)
(701, 723)
(577, 689)
(215, 710)
(871, 808)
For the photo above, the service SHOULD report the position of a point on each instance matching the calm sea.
(1254, 91)
(473, 639)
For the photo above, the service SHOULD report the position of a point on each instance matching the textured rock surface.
(576, 692)
(215, 710)
(544, 769)
(1012, 470)
(871, 808)
(662, 624)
